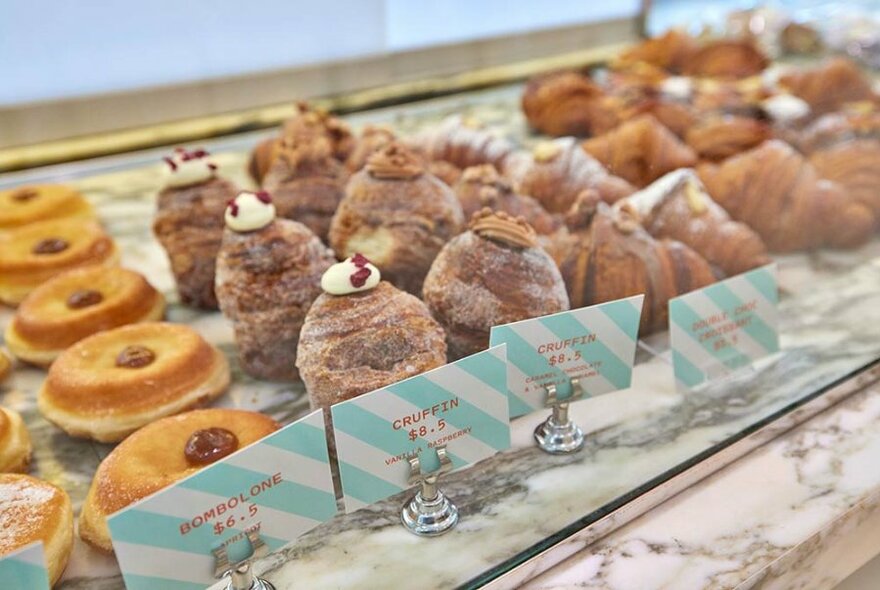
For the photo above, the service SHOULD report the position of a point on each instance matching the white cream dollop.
(352, 275)
(185, 168)
(249, 211)
(785, 108)
(677, 87)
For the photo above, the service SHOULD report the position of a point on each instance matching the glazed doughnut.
(160, 454)
(33, 254)
(76, 304)
(38, 202)
(109, 384)
(15, 443)
(34, 510)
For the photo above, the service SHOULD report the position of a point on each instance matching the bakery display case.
(267, 274)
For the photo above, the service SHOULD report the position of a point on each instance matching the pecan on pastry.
(492, 274)
(398, 215)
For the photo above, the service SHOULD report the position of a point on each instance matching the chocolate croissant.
(568, 103)
(267, 279)
(854, 165)
(640, 151)
(720, 137)
(492, 274)
(607, 255)
(398, 215)
(463, 143)
(482, 186)
(306, 182)
(829, 86)
(555, 172)
(677, 207)
(781, 196)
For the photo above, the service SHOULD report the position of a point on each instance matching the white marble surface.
(800, 512)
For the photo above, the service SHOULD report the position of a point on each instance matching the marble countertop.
(510, 504)
(800, 512)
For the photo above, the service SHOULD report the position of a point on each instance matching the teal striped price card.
(25, 568)
(462, 405)
(279, 486)
(724, 327)
(596, 345)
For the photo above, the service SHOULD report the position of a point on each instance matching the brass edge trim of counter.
(114, 142)
(700, 469)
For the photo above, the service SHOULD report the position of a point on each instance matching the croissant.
(306, 182)
(463, 143)
(568, 103)
(777, 192)
(720, 137)
(482, 186)
(557, 171)
(640, 151)
(834, 128)
(607, 255)
(677, 207)
(726, 58)
(829, 86)
(670, 51)
(854, 165)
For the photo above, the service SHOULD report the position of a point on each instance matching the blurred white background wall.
(58, 49)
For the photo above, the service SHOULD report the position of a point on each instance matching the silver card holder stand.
(241, 574)
(429, 513)
(558, 435)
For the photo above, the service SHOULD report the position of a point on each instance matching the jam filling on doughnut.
(135, 356)
(209, 445)
(24, 195)
(50, 246)
(84, 298)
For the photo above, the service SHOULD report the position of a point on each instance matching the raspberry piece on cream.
(352, 275)
(249, 212)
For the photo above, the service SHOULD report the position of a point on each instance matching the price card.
(279, 486)
(724, 326)
(462, 405)
(596, 345)
(25, 568)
